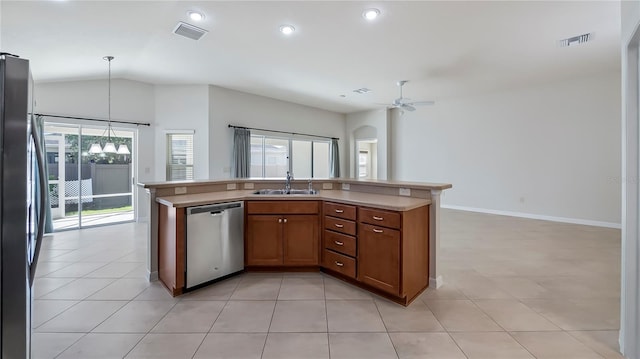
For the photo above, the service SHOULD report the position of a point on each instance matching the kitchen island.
(380, 235)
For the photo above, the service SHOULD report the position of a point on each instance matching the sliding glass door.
(88, 189)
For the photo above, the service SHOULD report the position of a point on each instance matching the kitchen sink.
(281, 191)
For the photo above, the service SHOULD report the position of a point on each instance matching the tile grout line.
(326, 314)
(275, 304)
(386, 330)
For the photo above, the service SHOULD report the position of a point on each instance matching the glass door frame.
(80, 127)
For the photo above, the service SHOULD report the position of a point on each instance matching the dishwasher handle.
(216, 213)
(215, 208)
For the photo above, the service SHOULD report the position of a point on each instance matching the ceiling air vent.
(362, 90)
(576, 40)
(190, 31)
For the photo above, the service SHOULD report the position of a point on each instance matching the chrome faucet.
(287, 184)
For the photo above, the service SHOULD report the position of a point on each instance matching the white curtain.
(241, 152)
(334, 159)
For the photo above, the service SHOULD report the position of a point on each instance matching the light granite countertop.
(381, 183)
(394, 203)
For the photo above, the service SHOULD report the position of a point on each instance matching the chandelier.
(109, 146)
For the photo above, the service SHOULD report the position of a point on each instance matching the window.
(363, 164)
(179, 156)
(272, 157)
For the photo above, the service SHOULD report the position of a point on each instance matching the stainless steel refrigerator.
(21, 205)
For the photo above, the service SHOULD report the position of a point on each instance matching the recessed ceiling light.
(371, 14)
(287, 29)
(195, 16)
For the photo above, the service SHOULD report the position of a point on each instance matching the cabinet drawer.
(340, 210)
(340, 263)
(340, 225)
(369, 231)
(340, 243)
(282, 207)
(379, 217)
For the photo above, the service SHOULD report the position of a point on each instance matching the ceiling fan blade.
(407, 107)
(422, 103)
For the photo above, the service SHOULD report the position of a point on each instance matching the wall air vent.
(190, 31)
(576, 40)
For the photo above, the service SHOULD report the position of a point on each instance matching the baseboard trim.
(152, 276)
(585, 222)
(143, 219)
(435, 282)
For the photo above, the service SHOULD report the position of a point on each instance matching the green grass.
(88, 212)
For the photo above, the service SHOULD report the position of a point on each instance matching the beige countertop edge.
(394, 203)
(384, 183)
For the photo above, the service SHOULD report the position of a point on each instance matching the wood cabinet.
(379, 259)
(301, 240)
(383, 251)
(171, 247)
(339, 238)
(393, 251)
(282, 233)
(264, 240)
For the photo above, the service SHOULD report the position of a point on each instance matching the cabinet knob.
(279, 220)
(378, 218)
(339, 225)
(339, 211)
(285, 220)
(339, 264)
(338, 243)
(377, 230)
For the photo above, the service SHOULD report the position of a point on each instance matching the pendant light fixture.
(109, 146)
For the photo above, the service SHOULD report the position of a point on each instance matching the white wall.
(242, 109)
(630, 301)
(355, 121)
(551, 150)
(182, 108)
(130, 101)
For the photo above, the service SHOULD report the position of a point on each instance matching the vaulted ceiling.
(445, 48)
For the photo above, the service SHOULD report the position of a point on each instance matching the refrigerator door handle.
(41, 209)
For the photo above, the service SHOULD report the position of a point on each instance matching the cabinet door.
(301, 240)
(379, 257)
(264, 240)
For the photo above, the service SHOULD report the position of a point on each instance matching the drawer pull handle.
(279, 220)
(378, 230)
(338, 243)
(285, 220)
(339, 264)
(339, 211)
(339, 225)
(378, 218)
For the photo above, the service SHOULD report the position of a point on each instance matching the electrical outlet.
(180, 190)
(231, 186)
(346, 186)
(248, 186)
(405, 191)
(327, 186)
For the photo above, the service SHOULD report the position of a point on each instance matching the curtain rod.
(289, 133)
(92, 119)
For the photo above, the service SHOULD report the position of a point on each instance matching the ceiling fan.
(406, 103)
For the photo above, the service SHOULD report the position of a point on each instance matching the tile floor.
(514, 288)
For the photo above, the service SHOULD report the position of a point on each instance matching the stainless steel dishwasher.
(215, 242)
